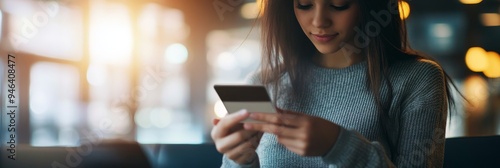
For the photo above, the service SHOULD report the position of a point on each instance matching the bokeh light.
(490, 19)
(252, 10)
(404, 9)
(142, 118)
(176, 54)
(476, 92)
(493, 70)
(161, 117)
(442, 30)
(476, 59)
(470, 2)
(96, 74)
(226, 61)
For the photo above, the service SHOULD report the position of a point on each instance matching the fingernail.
(243, 112)
(253, 115)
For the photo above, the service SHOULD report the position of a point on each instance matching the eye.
(303, 7)
(340, 8)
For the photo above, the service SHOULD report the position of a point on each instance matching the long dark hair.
(285, 47)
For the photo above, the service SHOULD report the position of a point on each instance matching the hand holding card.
(253, 98)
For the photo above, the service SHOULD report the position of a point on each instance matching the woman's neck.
(337, 60)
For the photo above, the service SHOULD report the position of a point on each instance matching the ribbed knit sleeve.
(354, 150)
(228, 163)
(422, 128)
(423, 120)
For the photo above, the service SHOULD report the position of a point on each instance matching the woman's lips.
(324, 37)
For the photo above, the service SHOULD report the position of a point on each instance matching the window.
(54, 104)
(45, 28)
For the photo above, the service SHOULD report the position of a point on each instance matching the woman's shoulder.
(416, 70)
(417, 64)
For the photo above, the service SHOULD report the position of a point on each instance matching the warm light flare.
(111, 40)
(252, 10)
(490, 19)
(404, 10)
(493, 70)
(476, 59)
(470, 2)
(476, 92)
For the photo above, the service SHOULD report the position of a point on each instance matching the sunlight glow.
(226, 61)
(251, 10)
(110, 34)
(176, 54)
(96, 75)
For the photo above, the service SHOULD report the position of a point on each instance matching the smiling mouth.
(323, 38)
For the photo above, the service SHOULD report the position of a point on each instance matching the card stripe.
(242, 93)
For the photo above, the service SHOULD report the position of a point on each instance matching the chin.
(327, 50)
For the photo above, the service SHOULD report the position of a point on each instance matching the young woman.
(349, 90)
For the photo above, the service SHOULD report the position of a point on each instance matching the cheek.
(354, 17)
(302, 19)
(354, 20)
(348, 23)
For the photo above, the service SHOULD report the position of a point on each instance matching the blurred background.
(144, 70)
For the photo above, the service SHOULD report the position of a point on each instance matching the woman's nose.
(321, 18)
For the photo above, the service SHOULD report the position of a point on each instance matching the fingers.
(225, 124)
(290, 120)
(271, 128)
(242, 147)
(290, 143)
(238, 150)
(243, 153)
(233, 140)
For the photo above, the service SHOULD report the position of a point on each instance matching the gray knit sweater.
(415, 124)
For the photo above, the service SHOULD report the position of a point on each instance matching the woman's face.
(327, 23)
